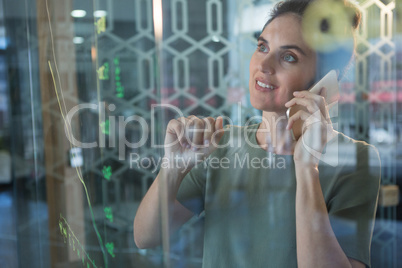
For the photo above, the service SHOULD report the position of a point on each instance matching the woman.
(268, 201)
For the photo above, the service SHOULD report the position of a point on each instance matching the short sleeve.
(353, 204)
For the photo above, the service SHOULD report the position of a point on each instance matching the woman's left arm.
(317, 245)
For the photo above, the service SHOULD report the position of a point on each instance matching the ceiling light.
(215, 38)
(78, 13)
(100, 13)
(78, 40)
(3, 42)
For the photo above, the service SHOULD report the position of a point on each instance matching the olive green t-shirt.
(248, 196)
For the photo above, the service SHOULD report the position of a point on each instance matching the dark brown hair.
(298, 7)
(339, 59)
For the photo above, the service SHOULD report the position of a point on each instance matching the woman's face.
(282, 63)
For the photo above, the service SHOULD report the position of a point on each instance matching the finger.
(323, 94)
(318, 98)
(310, 105)
(176, 129)
(319, 101)
(219, 131)
(197, 129)
(209, 129)
(188, 123)
(186, 137)
(303, 115)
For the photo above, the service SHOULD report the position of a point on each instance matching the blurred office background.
(62, 206)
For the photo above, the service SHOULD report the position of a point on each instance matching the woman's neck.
(272, 134)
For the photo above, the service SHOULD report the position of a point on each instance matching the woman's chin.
(261, 105)
(267, 107)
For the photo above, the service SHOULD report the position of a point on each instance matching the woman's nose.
(267, 64)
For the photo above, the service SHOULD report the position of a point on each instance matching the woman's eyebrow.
(294, 47)
(262, 39)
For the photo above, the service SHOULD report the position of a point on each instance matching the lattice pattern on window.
(205, 70)
(375, 115)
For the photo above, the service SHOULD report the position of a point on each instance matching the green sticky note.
(110, 248)
(107, 172)
(108, 214)
(105, 127)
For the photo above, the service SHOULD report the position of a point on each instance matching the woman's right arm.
(187, 141)
(147, 222)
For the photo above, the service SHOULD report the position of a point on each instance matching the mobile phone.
(330, 82)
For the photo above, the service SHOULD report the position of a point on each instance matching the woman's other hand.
(190, 140)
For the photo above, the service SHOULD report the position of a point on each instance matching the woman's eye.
(289, 58)
(262, 48)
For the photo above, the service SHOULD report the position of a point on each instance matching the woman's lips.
(264, 87)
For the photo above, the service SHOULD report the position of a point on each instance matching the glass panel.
(87, 91)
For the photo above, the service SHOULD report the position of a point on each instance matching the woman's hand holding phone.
(309, 119)
(317, 127)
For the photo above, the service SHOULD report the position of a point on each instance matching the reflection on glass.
(91, 107)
